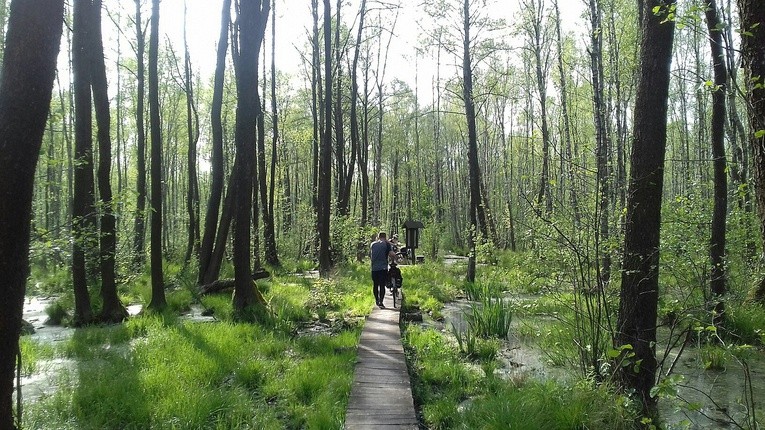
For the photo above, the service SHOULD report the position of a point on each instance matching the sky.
(293, 22)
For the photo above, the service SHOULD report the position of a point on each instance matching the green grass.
(746, 322)
(33, 353)
(713, 357)
(190, 375)
(442, 380)
(475, 347)
(546, 405)
(490, 318)
(161, 372)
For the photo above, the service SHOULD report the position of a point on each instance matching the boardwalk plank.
(381, 395)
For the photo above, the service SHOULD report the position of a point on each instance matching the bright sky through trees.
(293, 27)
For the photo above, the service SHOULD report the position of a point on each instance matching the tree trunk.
(566, 124)
(192, 129)
(540, 68)
(140, 213)
(112, 310)
(269, 230)
(316, 111)
(31, 43)
(473, 167)
(83, 200)
(602, 142)
(217, 174)
(753, 59)
(224, 225)
(639, 295)
(356, 149)
(341, 204)
(158, 300)
(718, 279)
(272, 255)
(325, 153)
(253, 15)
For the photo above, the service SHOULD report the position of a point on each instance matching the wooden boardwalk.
(381, 396)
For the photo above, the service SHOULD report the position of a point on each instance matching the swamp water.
(706, 399)
(45, 379)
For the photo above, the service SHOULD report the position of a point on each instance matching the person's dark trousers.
(378, 288)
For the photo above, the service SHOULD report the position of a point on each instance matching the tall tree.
(253, 15)
(602, 145)
(216, 163)
(718, 281)
(31, 43)
(753, 59)
(357, 150)
(192, 134)
(267, 210)
(325, 152)
(538, 39)
(158, 300)
(473, 164)
(272, 256)
(112, 309)
(567, 145)
(317, 113)
(83, 200)
(340, 172)
(139, 237)
(636, 324)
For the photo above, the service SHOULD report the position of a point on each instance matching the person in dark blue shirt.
(380, 252)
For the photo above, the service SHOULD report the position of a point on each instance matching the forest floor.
(187, 370)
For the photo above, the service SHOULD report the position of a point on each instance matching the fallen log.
(225, 284)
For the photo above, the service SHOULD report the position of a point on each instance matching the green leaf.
(759, 134)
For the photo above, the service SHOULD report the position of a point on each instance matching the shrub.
(57, 313)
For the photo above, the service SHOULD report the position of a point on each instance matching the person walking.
(380, 252)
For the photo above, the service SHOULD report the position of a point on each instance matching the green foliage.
(186, 375)
(557, 343)
(33, 353)
(179, 301)
(746, 322)
(442, 381)
(713, 357)
(57, 313)
(219, 305)
(490, 318)
(348, 237)
(475, 347)
(158, 371)
(45, 280)
(547, 405)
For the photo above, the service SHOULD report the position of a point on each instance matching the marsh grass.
(161, 372)
(713, 357)
(442, 381)
(57, 313)
(490, 318)
(546, 405)
(33, 353)
(475, 347)
(746, 322)
(473, 291)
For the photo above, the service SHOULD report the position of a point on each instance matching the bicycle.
(395, 290)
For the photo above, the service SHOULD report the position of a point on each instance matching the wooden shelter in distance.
(412, 229)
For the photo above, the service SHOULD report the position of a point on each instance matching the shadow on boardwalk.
(381, 396)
